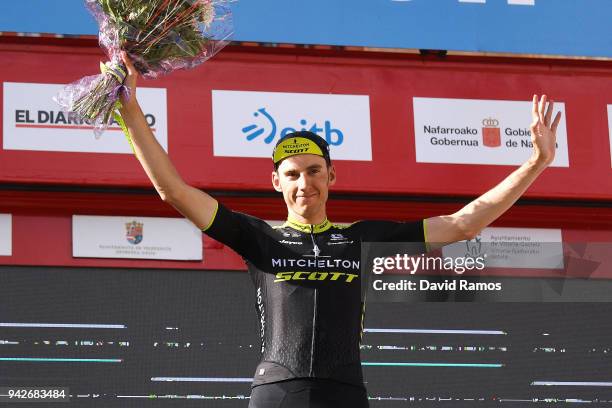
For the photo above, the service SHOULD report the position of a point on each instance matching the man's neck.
(314, 220)
(305, 225)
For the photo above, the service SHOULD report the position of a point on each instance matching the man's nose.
(303, 181)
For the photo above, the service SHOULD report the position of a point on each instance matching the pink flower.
(208, 12)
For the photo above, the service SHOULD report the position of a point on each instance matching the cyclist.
(306, 272)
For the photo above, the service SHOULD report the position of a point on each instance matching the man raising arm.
(307, 272)
(194, 204)
(199, 207)
(471, 219)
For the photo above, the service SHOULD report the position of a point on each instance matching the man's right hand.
(129, 104)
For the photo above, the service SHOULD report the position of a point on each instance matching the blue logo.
(269, 130)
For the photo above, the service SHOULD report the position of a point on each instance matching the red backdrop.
(390, 81)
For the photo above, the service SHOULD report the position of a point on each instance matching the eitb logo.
(248, 124)
(265, 126)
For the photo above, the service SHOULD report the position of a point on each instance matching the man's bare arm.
(194, 204)
(471, 219)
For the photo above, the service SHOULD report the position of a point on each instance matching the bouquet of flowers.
(159, 36)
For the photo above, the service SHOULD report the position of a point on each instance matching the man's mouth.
(306, 196)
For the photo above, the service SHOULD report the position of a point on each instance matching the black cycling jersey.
(307, 280)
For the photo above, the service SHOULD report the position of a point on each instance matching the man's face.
(304, 181)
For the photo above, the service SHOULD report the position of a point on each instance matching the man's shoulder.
(361, 224)
(366, 228)
(356, 228)
(227, 217)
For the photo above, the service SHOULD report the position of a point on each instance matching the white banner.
(513, 248)
(610, 127)
(470, 131)
(135, 237)
(248, 124)
(33, 121)
(6, 235)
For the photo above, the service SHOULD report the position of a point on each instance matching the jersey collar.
(315, 228)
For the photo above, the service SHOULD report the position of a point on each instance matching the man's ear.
(332, 175)
(276, 182)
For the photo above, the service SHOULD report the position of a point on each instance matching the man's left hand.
(544, 131)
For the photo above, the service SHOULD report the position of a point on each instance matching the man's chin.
(305, 205)
(305, 211)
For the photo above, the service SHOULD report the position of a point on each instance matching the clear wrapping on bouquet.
(159, 36)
